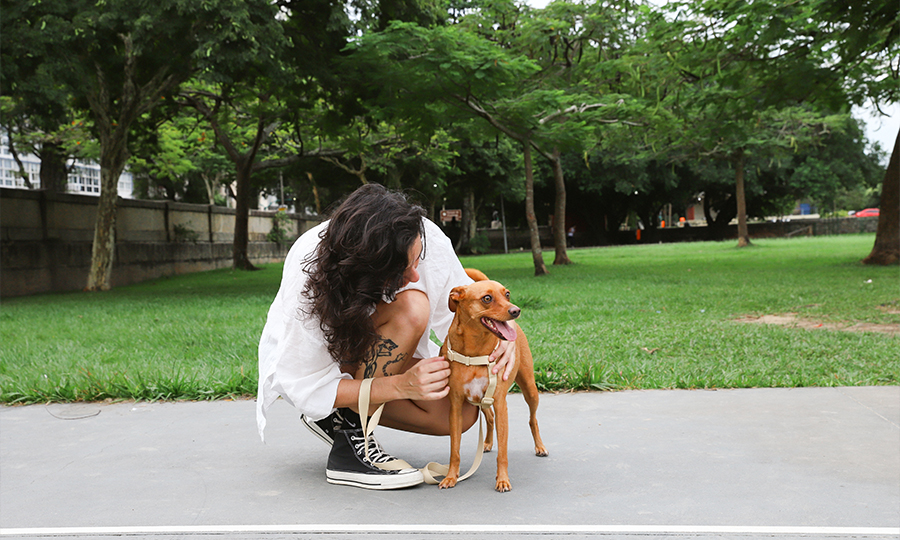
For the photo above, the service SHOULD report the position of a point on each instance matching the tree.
(822, 53)
(483, 170)
(37, 112)
(119, 67)
(443, 73)
(574, 43)
(244, 117)
(863, 41)
(743, 80)
(886, 250)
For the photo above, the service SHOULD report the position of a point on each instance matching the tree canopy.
(631, 106)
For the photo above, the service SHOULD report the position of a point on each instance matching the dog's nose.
(514, 312)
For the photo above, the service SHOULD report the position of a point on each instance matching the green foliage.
(184, 233)
(279, 233)
(479, 244)
(412, 94)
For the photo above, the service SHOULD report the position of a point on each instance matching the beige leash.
(368, 426)
(433, 469)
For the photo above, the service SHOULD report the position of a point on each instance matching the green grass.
(590, 324)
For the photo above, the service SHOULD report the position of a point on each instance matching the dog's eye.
(487, 299)
(507, 295)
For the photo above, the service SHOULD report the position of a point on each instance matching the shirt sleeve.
(294, 361)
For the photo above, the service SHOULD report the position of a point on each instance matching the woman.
(359, 298)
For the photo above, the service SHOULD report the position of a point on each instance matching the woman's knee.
(410, 309)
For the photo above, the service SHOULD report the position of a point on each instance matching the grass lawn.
(631, 317)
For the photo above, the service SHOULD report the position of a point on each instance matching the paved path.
(761, 463)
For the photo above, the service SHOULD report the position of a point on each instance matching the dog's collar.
(469, 360)
(485, 360)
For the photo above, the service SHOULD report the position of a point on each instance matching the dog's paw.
(540, 451)
(503, 486)
(447, 483)
(488, 446)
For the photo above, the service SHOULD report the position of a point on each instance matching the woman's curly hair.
(360, 260)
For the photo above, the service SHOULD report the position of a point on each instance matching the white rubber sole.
(375, 481)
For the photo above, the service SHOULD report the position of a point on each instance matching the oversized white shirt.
(294, 361)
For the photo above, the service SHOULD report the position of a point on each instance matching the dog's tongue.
(507, 330)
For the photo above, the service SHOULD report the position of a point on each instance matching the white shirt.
(294, 361)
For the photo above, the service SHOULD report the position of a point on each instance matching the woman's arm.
(427, 380)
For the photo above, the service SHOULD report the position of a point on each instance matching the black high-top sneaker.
(326, 427)
(349, 465)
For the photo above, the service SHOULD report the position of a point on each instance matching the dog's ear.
(456, 294)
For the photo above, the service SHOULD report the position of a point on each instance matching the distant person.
(570, 235)
(359, 297)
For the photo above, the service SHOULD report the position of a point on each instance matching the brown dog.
(483, 316)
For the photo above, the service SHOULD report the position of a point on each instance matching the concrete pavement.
(756, 463)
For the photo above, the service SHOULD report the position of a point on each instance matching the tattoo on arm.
(382, 348)
(370, 369)
(400, 358)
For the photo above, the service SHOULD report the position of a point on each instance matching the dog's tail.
(476, 275)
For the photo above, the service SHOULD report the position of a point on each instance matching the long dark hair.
(361, 259)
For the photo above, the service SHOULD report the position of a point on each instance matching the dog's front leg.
(502, 422)
(456, 404)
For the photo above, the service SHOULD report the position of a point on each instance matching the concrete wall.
(45, 240)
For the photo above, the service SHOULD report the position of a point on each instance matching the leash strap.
(430, 471)
(368, 426)
(433, 470)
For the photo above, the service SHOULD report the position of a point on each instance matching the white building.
(84, 177)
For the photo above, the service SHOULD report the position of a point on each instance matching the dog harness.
(433, 470)
(488, 399)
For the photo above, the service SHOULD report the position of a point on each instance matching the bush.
(183, 233)
(479, 244)
(279, 232)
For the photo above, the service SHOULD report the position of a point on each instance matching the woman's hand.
(505, 356)
(428, 380)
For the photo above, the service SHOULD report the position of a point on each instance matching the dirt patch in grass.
(793, 320)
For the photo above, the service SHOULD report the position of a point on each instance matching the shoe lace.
(376, 452)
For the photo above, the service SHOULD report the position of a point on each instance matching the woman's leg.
(400, 326)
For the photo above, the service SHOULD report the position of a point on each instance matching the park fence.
(46, 238)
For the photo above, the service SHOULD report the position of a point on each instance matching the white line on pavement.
(437, 529)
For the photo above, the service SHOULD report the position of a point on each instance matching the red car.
(868, 212)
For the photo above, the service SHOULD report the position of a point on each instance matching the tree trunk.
(315, 191)
(54, 173)
(113, 118)
(112, 162)
(539, 267)
(211, 185)
(467, 232)
(11, 145)
(559, 212)
(240, 259)
(886, 250)
(743, 233)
